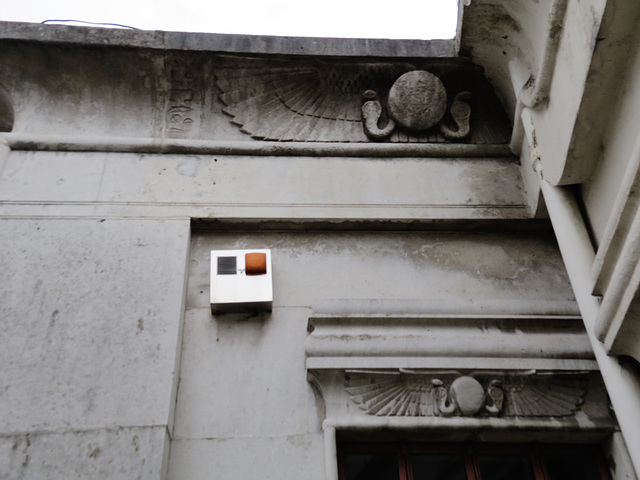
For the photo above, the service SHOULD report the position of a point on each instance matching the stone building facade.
(451, 227)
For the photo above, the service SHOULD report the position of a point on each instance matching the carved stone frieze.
(412, 393)
(393, 102)
(417, 101)
(184, 99)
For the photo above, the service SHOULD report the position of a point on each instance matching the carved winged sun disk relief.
(417, 101)
(324, 103)
(410, 394)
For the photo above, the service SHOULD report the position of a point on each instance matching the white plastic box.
(241, 281)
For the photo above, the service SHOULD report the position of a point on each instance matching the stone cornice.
(212, 42)
(419, 341)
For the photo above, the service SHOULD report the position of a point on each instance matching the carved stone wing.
(541, 396)
(402, 395)
(396, 397)
(302, 103)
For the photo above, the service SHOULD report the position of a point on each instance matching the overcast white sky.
(422, 19)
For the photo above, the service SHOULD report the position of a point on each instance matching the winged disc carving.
(323, 102)
(507, 395)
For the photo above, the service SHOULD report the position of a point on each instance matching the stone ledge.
(213, 42)
(447, 341)
(87, 143)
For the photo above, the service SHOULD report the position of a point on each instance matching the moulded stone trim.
(393, 340)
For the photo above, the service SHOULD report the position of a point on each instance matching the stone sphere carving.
(417, 100)
(468, 395)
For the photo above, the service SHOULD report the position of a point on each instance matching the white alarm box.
(241, 281)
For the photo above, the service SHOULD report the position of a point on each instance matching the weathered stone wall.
(121, 172)
(91, 316)
(244, 403)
